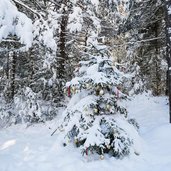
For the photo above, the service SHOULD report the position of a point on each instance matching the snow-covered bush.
(133, 81)
(30, 108)
(6, 115)
(27, 105)
(134, 123)
(96, 119)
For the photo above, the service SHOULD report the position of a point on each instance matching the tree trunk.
(62, 56)
(157, 66)
(13, 73)
(168, 48)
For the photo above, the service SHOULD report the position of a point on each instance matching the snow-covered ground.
(33, 149)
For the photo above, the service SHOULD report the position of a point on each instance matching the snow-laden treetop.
(13, 22)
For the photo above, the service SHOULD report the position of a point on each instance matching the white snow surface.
(34, 149)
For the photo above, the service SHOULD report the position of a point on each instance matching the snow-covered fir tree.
(96, 118)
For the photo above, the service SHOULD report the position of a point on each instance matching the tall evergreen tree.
(145, 30)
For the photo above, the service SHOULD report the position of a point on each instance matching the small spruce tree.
(96, 119)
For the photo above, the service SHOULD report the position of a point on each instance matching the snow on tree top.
(98, 72)
(75, 20)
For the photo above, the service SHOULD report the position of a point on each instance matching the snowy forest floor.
(33, 149)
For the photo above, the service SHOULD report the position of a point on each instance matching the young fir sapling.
(96, 118)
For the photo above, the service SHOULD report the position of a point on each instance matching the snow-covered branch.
(140, 41)
(27, 7)
(15, 23)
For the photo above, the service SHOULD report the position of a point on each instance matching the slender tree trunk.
(168, 48)
(157, 69)
(31, 57)
(62, 56)
(7, 67)
(13, 73)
